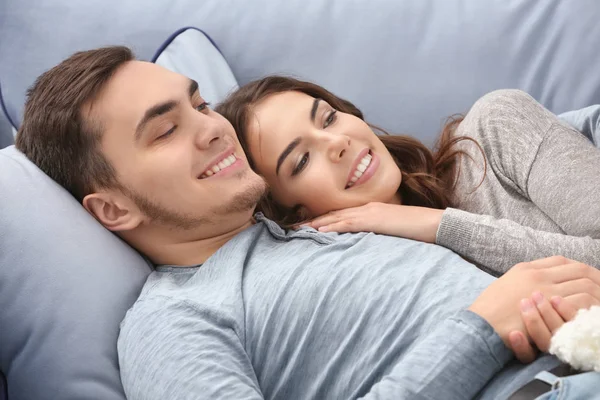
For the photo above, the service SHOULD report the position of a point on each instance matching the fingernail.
(537, 297)
(323, 229)
(526, 305)
(555, 300)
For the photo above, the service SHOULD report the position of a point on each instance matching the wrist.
(500, 327)
(434, 220)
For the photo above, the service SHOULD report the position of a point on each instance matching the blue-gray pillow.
(65, 285)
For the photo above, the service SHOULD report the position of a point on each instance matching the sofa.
(65, 282)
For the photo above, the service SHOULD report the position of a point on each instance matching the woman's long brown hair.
(428, 177)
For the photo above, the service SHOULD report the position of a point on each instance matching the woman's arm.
(534, 156)
(498, 244)
(495, 245)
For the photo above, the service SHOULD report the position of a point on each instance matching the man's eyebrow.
(313, 111)
(152, 113)
(160, 109)
(290, 147)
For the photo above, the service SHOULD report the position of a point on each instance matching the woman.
(507, 183)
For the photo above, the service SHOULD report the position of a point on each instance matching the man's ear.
(114, 211)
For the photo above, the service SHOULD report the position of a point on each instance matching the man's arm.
(179, 352)
(463, 353)
(455, 361)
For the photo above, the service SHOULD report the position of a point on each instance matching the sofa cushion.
(407, 64)
(65, 285)
(191, 52)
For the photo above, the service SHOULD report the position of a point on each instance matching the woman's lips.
(368, 162)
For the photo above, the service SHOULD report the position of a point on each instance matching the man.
(239, 308)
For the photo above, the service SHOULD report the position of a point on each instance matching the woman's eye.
(203, 106)
(301, 164)
(330, 119)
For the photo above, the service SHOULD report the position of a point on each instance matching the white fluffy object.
(577, 342)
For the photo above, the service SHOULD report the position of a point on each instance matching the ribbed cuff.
(456, 230)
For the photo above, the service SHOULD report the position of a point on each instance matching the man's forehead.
(139, 83)
(136, 86)
(139, 77)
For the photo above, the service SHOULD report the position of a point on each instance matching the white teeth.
(226, 162)
(360, 169)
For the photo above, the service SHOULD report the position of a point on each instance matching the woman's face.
(318, 158)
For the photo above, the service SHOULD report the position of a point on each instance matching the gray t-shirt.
(539, 197)
(306, 315)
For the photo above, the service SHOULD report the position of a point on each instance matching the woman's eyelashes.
(301, 164)
(330, 119)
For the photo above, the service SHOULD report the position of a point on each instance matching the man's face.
(178, 162)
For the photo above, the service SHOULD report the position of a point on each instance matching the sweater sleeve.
(498, 244)
(548, 163)
(564, 181)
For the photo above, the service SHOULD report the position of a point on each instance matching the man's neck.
(182, 252)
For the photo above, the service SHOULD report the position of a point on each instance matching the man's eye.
(301, 164)
(203, 106)
(330, 119)
(167, 133)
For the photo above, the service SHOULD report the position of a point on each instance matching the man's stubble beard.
(243, 201)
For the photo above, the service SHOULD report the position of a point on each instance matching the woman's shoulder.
(507, 122)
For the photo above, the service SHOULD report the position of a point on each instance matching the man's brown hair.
(56, 136)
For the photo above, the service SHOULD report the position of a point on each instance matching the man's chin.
(252, 190)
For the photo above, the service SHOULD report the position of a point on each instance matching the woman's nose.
(337, 146)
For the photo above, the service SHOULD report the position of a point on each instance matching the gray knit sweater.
(539, 196)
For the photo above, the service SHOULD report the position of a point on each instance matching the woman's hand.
(417, 223)
(542, 318)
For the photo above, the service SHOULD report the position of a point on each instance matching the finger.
(524, 352)
(549, 262)
(536, 327)
(573, 271)
(582, 301)
(577, 286)
(341, 227)
(550, 316)
(326, 219)
(564, 308)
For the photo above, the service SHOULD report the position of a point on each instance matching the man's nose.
(208, 132)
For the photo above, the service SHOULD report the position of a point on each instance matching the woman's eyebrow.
(313, 111)
(286, 152)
